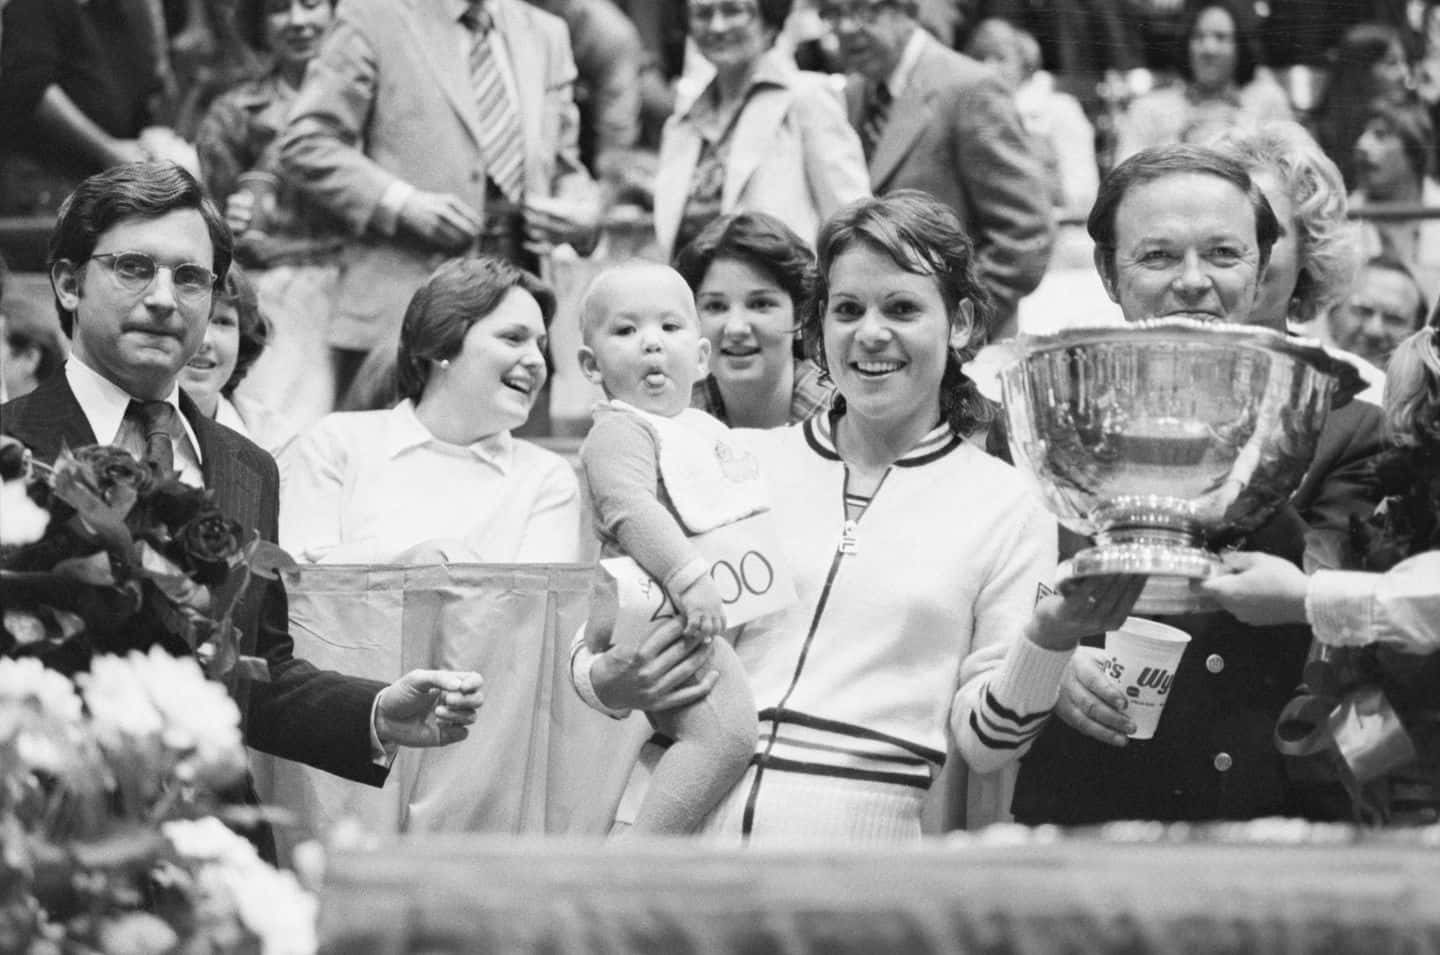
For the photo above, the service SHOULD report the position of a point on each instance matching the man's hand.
(665, 672)
(1260, 589)
(1090, 701)
(552, 221)
(428, 707)
(440, 219)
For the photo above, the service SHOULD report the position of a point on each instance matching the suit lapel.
(50, 418)
(910, 115)
(230, 478)
(679, 154)
(754, 138)
(437, 42)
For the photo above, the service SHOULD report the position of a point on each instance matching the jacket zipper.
(847, 545)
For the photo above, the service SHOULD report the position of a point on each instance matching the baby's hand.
(703, 609)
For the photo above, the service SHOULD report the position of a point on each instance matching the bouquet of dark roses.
(100, 553)
(117, 585)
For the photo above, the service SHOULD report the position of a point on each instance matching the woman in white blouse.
(439, 478)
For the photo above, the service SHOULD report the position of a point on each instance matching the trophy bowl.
(1164, 438)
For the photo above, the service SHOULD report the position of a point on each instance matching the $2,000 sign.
(746, 564)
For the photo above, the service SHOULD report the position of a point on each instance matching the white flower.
(210, 839)
(26, 680)
(269, 903)
(120, 706)
(25, 521)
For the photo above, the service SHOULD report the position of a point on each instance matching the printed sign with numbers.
(746, 564)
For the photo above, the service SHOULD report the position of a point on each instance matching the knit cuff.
(1339, 605)
(582, 658)
(1028, 681)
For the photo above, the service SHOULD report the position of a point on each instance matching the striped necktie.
(156, 425)
(876, 113)
(502, 144)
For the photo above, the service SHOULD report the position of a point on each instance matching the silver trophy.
(1159, 437)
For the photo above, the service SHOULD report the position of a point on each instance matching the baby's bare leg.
(714, 742)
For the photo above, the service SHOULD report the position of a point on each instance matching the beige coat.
(791, 153)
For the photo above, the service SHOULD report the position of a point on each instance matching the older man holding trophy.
(1184, 432)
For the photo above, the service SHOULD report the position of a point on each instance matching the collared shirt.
(104, 404)
(363, 487)
(810, 392)
(1399, 608)
(900, 78)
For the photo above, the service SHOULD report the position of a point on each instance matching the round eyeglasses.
(136, 271)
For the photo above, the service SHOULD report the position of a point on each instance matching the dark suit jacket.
(308, 715)
(955, 133)
(1213, 756)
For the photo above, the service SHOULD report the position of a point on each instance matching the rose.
(14, 459)
(110, 468)
(211, 543)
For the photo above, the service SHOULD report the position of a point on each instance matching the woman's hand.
(666, 671)
(1260, 589)
(1090, 701)
(1086, 606)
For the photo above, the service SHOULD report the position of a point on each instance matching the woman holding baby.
(917, 619)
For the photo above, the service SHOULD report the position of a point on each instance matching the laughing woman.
(438, 477)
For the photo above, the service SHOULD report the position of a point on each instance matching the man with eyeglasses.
(134, 260)
(936, 120)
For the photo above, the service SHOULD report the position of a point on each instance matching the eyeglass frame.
(181, 291)
(861, 13)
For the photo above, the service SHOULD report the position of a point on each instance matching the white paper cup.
(1142, 657)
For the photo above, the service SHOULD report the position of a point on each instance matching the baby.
(658, 472)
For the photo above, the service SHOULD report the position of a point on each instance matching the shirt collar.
(772, 68)
(405, 432)
(104, 403)
(938, 442)
(900, 79)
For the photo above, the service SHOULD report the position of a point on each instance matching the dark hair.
(762, 242)
(249, 23)
(1247, 44)
(253, 326)
(922, 236)
(136, 190)
(1342, 110)
(1157, 162)
(1411, 123)
(1392, 264)
(459, 293)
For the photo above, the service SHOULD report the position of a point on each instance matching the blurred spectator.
(610, 58)
(84, 82)
(435, 128)
(215, 45)
(1078, 38)
(1063, 138)
(439, 476)
(1392, 165)
(291, 243)
(31, 346)
(1307, 31)
(759, 135)
(1385, 307)
(1222, 86)
(935, 120)
(1369, 64)
(235, 337)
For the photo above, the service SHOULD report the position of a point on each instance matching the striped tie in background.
(501, 141)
